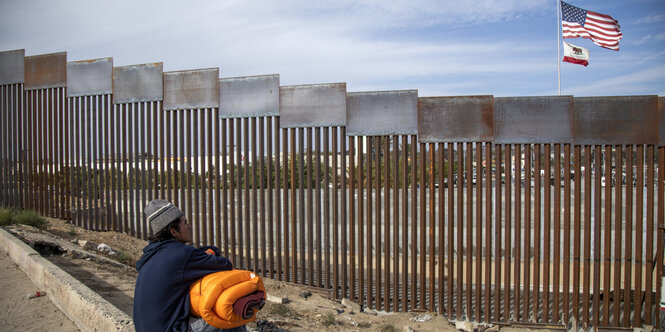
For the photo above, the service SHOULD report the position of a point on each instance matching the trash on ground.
(103, 247)
(35, 294)
(421, 318)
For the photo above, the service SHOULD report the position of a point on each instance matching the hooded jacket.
(166, 271)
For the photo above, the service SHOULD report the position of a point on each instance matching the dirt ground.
(17, 312)
(64, 244)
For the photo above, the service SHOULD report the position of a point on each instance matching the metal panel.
(382, 113)
(90, 77)
(456, 119)
(12, 65)
(249, 96)
(530, 119)
(661, 127)
(46, 71)
(191, 89)
(316, 105)
(138, 83)
(616, 120)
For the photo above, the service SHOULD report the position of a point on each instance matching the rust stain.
(189, 89)
(616, 120)
(661, 114)
(191, 71)
(310, 86)
(533, 119)
(109, 59)
(136, 83)
(487, 116)
(46, 71)
(460, 118)
(158, 65)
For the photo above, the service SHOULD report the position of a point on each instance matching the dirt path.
(115, 282)
(17, 313)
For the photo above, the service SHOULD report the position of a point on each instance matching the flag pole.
(558, 43)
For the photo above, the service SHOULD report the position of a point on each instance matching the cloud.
(129, 17)
(426, 13)
(648, 81)
(650, 38)
(437, 47)
(651, 19)
(359, 60)
(378, 14)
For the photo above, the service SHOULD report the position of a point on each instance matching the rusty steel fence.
(538, 210)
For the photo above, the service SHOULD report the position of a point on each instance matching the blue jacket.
(166, 270)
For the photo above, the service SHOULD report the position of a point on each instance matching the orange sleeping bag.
(213, 296)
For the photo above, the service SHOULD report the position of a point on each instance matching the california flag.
(575, 54)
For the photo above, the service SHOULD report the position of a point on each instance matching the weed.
(72, 231)
(30, 218)
(364, 325)
(124, 258)
(6, 217)
(329, 320)
(282, 310)
(387, 328)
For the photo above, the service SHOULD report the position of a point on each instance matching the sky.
(441, 48)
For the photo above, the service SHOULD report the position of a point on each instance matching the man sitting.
(167, 269)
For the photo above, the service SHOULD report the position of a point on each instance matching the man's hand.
(211, 250)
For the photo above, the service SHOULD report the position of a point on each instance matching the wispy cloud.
(437, 47)
(424, 12)
(651, 19)
(650, 38)
(649, 81)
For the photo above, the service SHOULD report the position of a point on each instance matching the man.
(166, 270)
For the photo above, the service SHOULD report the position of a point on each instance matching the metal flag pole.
(558, 42)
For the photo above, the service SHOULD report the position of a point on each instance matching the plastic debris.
(35, 294)
(103, 247)
(421, 318)
(86, 244)
(277, 299)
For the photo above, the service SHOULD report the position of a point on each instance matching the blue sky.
(441, 48)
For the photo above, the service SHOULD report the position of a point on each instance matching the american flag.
(602, 29)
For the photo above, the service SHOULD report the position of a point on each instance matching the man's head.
(167, 222)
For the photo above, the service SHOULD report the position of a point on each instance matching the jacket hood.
(150, 250)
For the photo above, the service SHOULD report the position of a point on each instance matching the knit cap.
(160, 213)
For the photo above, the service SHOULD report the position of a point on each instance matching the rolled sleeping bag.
(248, 304)
(213, 297)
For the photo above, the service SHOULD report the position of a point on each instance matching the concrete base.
(88, 310)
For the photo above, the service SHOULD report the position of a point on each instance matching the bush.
(30, 218)
(329, 320)
(364, 325)
(124, 258)
(6, 217)
(283, 310)
(387, 328)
